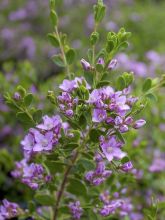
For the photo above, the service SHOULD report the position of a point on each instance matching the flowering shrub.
(76, 160)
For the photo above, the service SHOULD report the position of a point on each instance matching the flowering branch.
(62, 187)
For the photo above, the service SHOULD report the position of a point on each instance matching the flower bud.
(112, 64)
(69, 112)
(17, 96)
(100, 168)
(98, 157)
(139, 123)
(86, 66)
(118, 120)
(89, 176)
(101, 61)
(123, 128)
(128, 120)
(98, 181)
(127, 166)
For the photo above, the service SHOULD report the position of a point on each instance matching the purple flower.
(32, 174)
(75, 210)
(86, 66)
(51, 123)
(28, 144)
(98, 180)
(89, 175)
(126, 167)
(43, 142)
(119, 103)
(110, 208)
(8, 210)
(139, 123)
(114, 204)
(99, 115)
(111, 148)
(67, 85)
(44, 138)
(81, 80)
(100, 174)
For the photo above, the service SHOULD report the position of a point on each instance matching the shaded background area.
(25, 58)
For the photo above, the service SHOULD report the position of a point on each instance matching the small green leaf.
(37, 115)
(44, 199)
(125, 160)
(58, 60)
(53, 17)
(70, 56)
(23, 117)
(21, 90)
(119, 135)
(147, 85)
(53, 40)
(95, 134)
(83, 121)
(28, 99)
(71, 146)
(54, 166)
(152, 97)
(90, 55)
(123, 45)
(31, 206)
(99, 11)
(87, 164)
(103, 83)
(99, 67)
(76, 187)
(89, 77)
(105, 76)
(52, 4)
(109, 46)
(128, 78)
(76, 135)
(94, 38)
(121, 84)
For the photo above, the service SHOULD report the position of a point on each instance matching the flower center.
(109, 149)
(44, 142)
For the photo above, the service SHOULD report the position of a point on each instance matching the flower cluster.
(112, 107)
(100, 174)
(75, 210)
(8, 210)
(32, 174)
(110, 206)
(43, 138)
(68, 98)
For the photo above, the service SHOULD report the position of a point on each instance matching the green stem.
(62, 187)
(63, 53)
(25, 110)
(66, 174)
